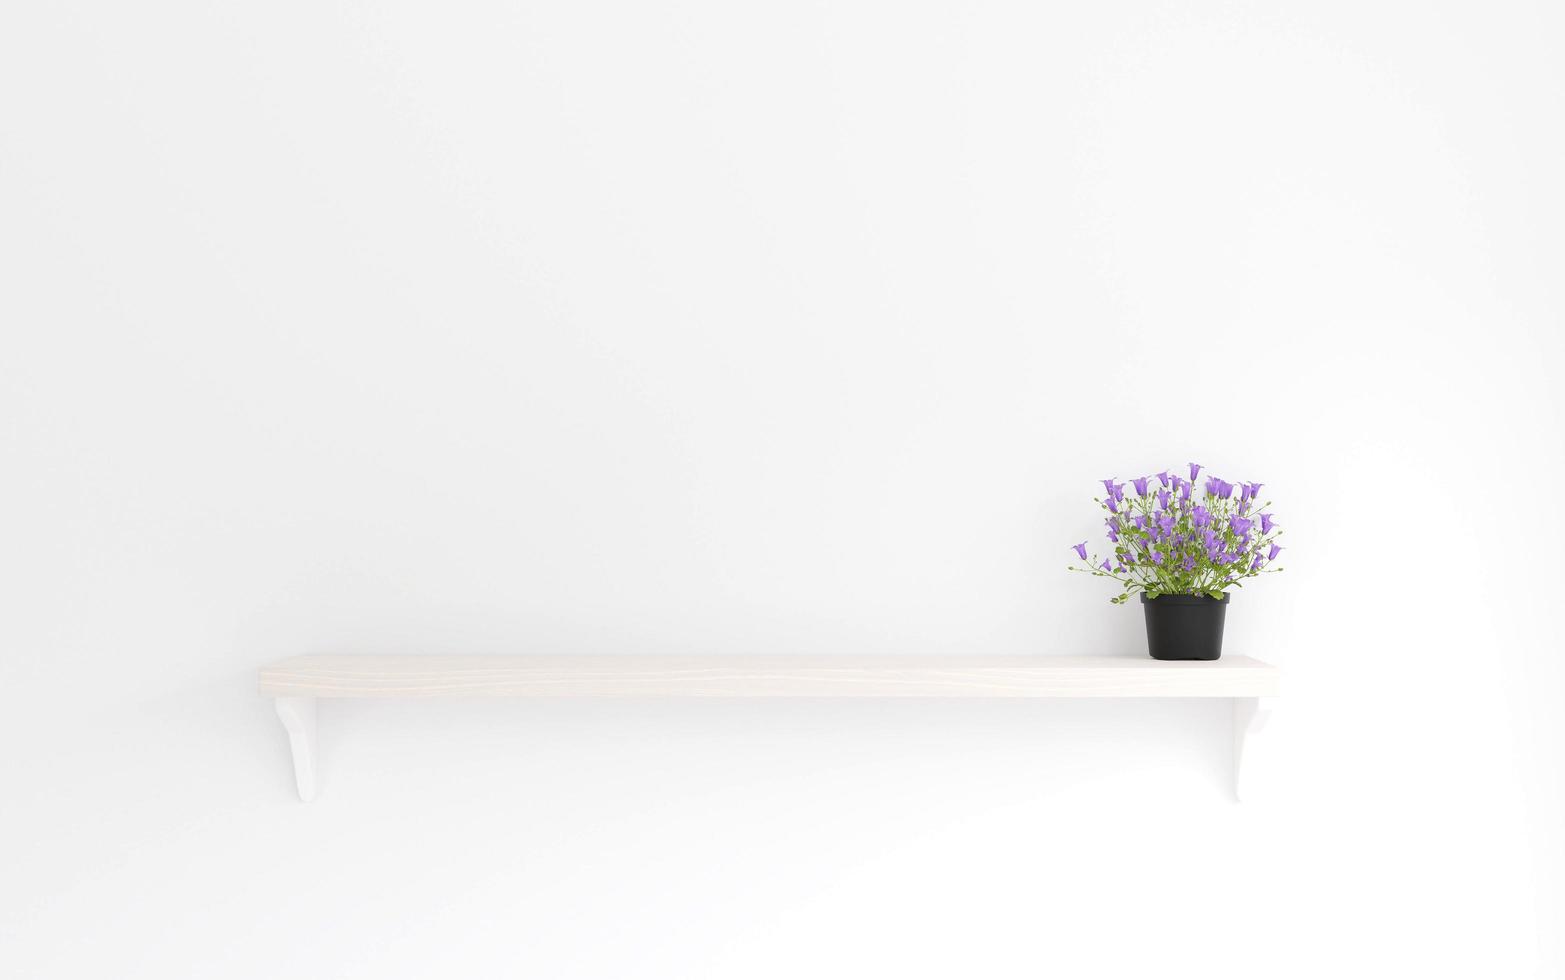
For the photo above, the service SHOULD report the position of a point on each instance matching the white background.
(764, 328)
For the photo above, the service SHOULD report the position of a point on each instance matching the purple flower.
(1210, 535)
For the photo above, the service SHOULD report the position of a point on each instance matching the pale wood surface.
(969, 676)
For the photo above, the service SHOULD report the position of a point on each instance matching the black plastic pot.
(1185, 627)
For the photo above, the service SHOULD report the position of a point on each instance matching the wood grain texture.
(739, 676)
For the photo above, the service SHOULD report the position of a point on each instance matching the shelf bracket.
(298, 716)
(1250, 716)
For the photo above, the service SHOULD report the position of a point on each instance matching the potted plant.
(1181, 547)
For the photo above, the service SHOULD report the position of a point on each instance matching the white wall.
(714, 327)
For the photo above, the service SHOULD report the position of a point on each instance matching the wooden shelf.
(765, 677)
(297, 682)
